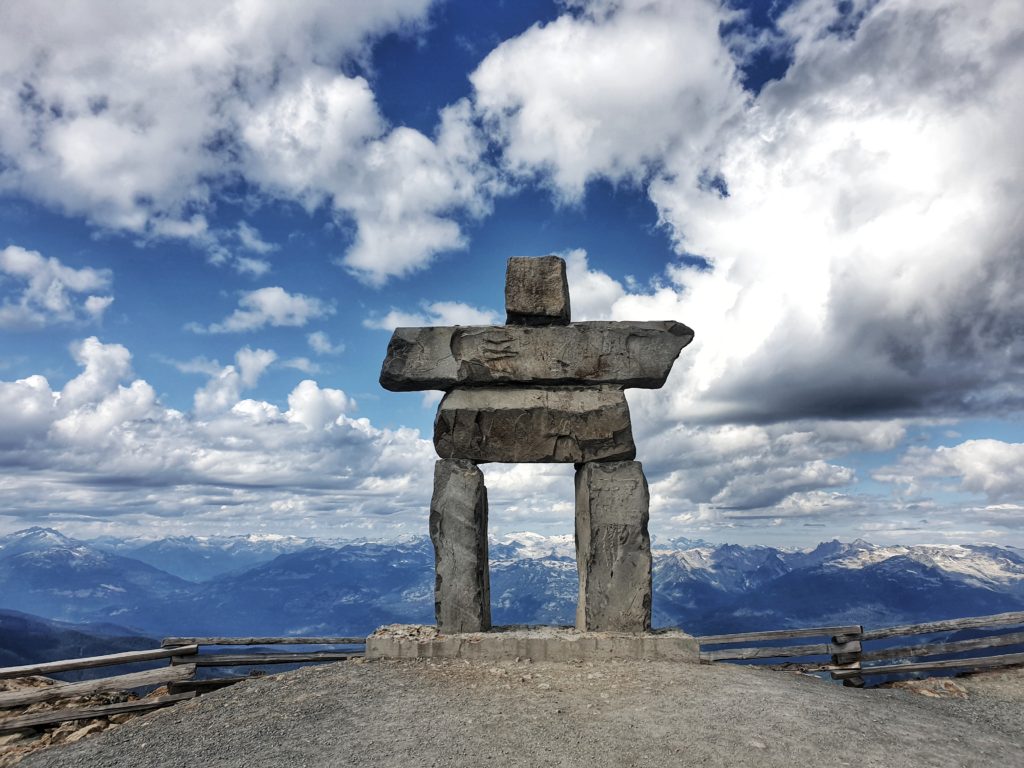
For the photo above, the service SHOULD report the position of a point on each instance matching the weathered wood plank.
(65, 715)
(810, 666)
(974, 622)
(821, 649)
(780, 634)
(937, 649)
(169, 642)
(980, 662)
(248, 659)
(89, 662)
(118, 683)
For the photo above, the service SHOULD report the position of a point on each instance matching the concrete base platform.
(417, 641)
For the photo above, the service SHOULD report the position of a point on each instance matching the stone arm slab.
(628, 354)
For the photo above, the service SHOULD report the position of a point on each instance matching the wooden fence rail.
(68, 665)
(38, 719)
(184, 657)
(251, 659)
(127, 682)
(849, 661)
(169, 642)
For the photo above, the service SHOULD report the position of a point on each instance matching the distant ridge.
(286, 585)
(28, 639)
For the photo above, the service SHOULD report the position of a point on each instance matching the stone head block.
(536, 291)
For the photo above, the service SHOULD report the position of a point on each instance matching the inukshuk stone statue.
(539, 389)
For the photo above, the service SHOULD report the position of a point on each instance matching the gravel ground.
(613, 713)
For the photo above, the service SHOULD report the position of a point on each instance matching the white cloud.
(303, 364)
(36, 291)
(408, 187)
(323, 141)
(992, 468)
(250, 239)
(609, 91)
(225, 386)
(592, 293)
(321, 343)
(434, 313)
(865, 260)
(732, 472)
(317, 408)
(105, 448)
(246, 265)
(95, 306)
(861, 261)
(133, 117)
(27, 407)
(104, 365)
(268, 306)
(252, 363)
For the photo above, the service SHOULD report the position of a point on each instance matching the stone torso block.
(613, 548)
(534, 425)
(623, 353)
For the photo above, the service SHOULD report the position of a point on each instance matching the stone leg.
(613, 548)
(458, 530)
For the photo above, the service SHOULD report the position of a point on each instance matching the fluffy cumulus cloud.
(608, 91)
(862, 235)
(858, 220)
(272, 306)
(36, 291)
(104, 448)
(321, 343)
(992, 468)
(857, 223)
(325, 140)
(225, 386)
(867, 257)
(135, 114)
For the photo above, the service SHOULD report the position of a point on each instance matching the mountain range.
(270, 585)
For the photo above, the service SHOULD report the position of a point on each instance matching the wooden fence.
(848, 657)
(842, 650)
(249, 659)
(185, 659)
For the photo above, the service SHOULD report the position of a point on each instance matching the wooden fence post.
(850, 654)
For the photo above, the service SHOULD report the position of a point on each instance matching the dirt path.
(413, 714)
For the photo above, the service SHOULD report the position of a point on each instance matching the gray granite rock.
(537, 424)
(536, 291)
(458, 530)
(624, 353)
(613, 548)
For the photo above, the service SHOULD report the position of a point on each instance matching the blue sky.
(211, 218)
